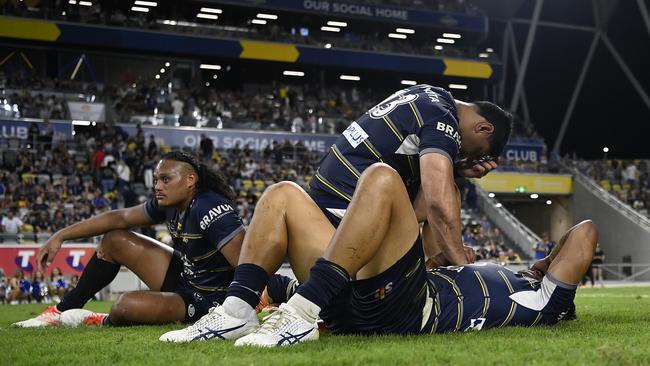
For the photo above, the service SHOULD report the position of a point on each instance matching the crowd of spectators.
(45, 185)
(175, 19)
(36, 287)
(627, 180)
(296, 108)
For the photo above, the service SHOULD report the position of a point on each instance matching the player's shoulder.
(208, 200)
(433, 99)
(210, 207)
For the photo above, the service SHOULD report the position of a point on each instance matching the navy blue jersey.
(485, 295)
(412, 122)
(199, 233)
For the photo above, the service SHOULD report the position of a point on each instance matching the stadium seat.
(246, 184)
(259, 185)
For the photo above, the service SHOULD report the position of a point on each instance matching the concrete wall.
(621, 233)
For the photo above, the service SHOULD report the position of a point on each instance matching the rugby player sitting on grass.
(184, 281)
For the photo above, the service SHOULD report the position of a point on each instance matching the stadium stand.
(627, 180)
(180, 19)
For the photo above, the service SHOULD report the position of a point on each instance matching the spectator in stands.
(11, 224)
(206, 147)
(3, 288)
(18, 288)
(57, 284)
(596, 266)
(540, 249)
(39, 288)
(513, 257)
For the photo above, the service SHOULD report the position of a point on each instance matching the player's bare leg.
(286, 222)
(146, 257)
(149, 260)
(571, 258)
(378, 229)
(380, 226)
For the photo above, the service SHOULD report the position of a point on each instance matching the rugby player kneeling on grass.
(415, 134)
(184, 281)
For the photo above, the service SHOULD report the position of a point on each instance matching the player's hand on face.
(47, 252)
(479, 170)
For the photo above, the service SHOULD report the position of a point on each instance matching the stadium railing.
(514, 229)
(610, 199)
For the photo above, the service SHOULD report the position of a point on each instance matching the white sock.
(305, 308)
(237, 307)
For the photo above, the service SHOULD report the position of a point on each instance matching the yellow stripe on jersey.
(330, 186)
(436, 307)
(187, 236)
(539, 317)
(416, 113)
(505, 279)
(345, 161)
(486, 294)
(210, 289)
(373, 150)
(408, 158)
(206, 255)
(459, 298)
(415, 267)
(392, 127)
(511, 313)
(513, 305)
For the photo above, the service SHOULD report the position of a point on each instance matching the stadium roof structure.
(576, 66)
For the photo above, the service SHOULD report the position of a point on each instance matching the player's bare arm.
(111, 220)
(442, 205)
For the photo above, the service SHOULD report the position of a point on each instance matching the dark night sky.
(609, 112)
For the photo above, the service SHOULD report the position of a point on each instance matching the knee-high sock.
(97, 275)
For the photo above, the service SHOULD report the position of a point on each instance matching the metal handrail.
(609, 198)
(517, 225)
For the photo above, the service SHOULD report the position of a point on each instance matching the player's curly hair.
(209, 179)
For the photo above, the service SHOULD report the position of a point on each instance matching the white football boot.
(49, 317)
(216, 324)
(282, 328)
(77, 317)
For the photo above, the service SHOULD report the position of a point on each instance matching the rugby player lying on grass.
(184, 281)
(376, 281)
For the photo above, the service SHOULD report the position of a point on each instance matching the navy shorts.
(197, 304)
(334, 208)
(393, 302)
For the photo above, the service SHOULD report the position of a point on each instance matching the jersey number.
(390, 103)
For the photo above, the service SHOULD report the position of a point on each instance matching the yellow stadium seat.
(616, 187)
(626, 187)
(247, 184)
(308, 178)
(259, 185)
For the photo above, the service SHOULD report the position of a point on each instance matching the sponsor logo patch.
(355, 134)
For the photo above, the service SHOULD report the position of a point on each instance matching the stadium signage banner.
(87, 111)
(524, 152)
(498, 182)
(228, 139)
(470, 23)
(71, 259)
(10, 128)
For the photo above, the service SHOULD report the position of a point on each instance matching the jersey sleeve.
(218, 221)
(153, 211)
(439, 132)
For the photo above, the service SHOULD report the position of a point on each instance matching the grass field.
(613, 327)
